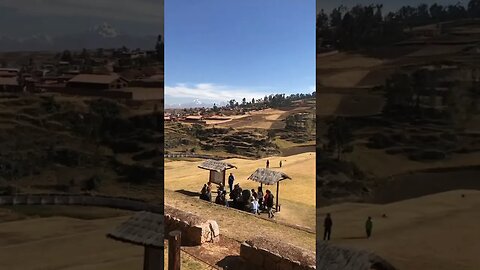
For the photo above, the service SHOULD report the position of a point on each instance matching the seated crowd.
(246, 200)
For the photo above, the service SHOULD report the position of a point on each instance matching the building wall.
(82, 85)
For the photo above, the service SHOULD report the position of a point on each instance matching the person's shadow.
(352, 238)
(233, 263)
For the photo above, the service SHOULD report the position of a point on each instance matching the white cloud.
(211, 92)
(150, 11)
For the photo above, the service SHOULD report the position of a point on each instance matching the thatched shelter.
(217, 170)
(144, 229)
(269, 177)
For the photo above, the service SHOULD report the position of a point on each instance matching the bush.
(93, 183)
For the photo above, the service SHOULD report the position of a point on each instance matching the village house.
(97, 82)
(9, 72)
(9, 84)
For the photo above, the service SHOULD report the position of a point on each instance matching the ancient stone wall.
(195, 230)
(80, 199)
(264, 254)
(331, 257)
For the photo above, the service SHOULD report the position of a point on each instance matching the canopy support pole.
(276, 204)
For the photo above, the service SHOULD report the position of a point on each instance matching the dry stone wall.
(265, 254)
(195, 230)
(80, 199)
(331, 257)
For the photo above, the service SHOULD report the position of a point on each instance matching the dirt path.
(238, 225)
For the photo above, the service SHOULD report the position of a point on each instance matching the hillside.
(64, 144)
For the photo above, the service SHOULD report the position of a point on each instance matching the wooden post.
(153, 258)
(174, 241)
(276, 204)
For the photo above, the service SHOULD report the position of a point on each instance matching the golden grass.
(297, 196)
(369, 159)
(435, 232)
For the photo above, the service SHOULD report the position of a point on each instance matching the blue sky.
(216, 50)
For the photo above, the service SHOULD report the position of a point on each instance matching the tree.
(474, 8)
(66, 56)
(339, 136)
(159, 48)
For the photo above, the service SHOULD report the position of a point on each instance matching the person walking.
(281, 163)
(369, 227)
(268, 163)
(269, 203)
(327, 227)
(231, 179)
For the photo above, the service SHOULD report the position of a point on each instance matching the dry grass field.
(436, 232)
(65, 243)
(297, 196)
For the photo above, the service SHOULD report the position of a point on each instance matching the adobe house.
(269, 177)
(9, 72)
(217, 170)
(9, 84)
(97, 82)
(144, 229)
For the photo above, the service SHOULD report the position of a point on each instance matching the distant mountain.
(99, 36)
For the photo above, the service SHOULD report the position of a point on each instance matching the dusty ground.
(297, 196)
(433, 232)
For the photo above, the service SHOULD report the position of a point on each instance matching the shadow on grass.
(232, 263)
(188, 193)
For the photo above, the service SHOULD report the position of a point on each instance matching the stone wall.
(331, 257)
(265, 254)
(195, 230)
(80, 199)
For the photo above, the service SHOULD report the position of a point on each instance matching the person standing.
(254, 206)
(269, 203)
(327, 227)
(369, 227)
(280, 163)
(268, 163)
(260, 198)
(231, 179)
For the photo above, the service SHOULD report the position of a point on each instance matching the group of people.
(267, 165)
(328, 224)
(248, 200)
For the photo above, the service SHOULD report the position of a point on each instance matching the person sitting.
(221, 199)
(236, 194)
(254, 194)
(204, 193)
